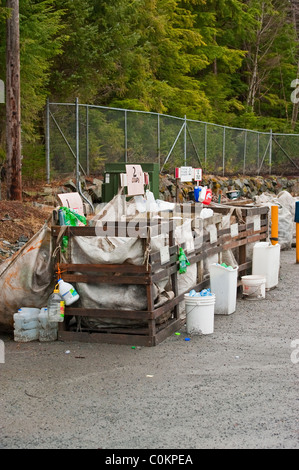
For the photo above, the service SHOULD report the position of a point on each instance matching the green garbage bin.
(111, 183)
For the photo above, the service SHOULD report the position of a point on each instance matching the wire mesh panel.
(63, 139)
(85, 137)
(171, 142)
(196, 132)
(142, 137)
(106, 137)
(285, 155)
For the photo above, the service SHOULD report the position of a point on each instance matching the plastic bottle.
(48, 331)
(67, 292)
(183, 261)
(55, 307)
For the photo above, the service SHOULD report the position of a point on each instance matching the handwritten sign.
(135, 180)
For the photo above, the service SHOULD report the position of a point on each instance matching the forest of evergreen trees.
(229, 62)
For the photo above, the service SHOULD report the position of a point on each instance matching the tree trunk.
(13, 106)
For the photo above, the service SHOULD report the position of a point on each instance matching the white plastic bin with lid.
(266, 262)
(223, 281)
(200, 314)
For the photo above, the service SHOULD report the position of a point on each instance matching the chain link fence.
(82, 138)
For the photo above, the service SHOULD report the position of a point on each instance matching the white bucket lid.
(204, 299)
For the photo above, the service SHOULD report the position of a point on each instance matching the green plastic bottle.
(183, 261)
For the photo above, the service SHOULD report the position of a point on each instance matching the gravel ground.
(234, 389)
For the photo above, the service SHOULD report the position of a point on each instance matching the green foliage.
(225, 61)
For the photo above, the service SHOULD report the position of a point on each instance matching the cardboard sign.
(74, 202)
(135, 180)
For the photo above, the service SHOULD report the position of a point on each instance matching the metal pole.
(87, 141)
(223, 152)
(126, 137)
(270, 152)
(77, 144)
(244, 161)
(258, 151)
(206, 144)
(174, 144)
(185, 142)
(159, 149)
(48, 140)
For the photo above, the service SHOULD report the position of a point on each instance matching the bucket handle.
(248, 295)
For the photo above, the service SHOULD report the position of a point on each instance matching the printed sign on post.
(186, 173)
(135, 183)
(197, 174)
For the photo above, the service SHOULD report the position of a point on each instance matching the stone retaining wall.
(248, 186)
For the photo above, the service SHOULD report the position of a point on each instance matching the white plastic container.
(200, 314)
(26, 326)
(223, 283)
(67, 292)
(266, 262)
(48, 331)
(254, 287)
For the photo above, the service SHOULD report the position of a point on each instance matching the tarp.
(286, 213)
(26, 279)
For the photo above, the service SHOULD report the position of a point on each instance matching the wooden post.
(13, 106)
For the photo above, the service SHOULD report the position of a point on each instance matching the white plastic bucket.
(200, 314)
(266, 262)
(224, 285)
(254, 287)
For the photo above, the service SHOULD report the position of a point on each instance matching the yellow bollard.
(274, 225)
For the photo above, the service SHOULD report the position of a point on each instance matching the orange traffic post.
(274, 225)
(297, 230)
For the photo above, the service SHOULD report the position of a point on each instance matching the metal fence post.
(206, 144)
(158, 142)
(244, 160)
(77, 144)
(185, 141)
(87, 140)
(48, 140)
(223, 151)
(270, 152)
(126, 137)
(258, 151)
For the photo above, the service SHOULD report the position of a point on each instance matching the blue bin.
(197, 190)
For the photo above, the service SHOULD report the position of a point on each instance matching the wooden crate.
(146, 275)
